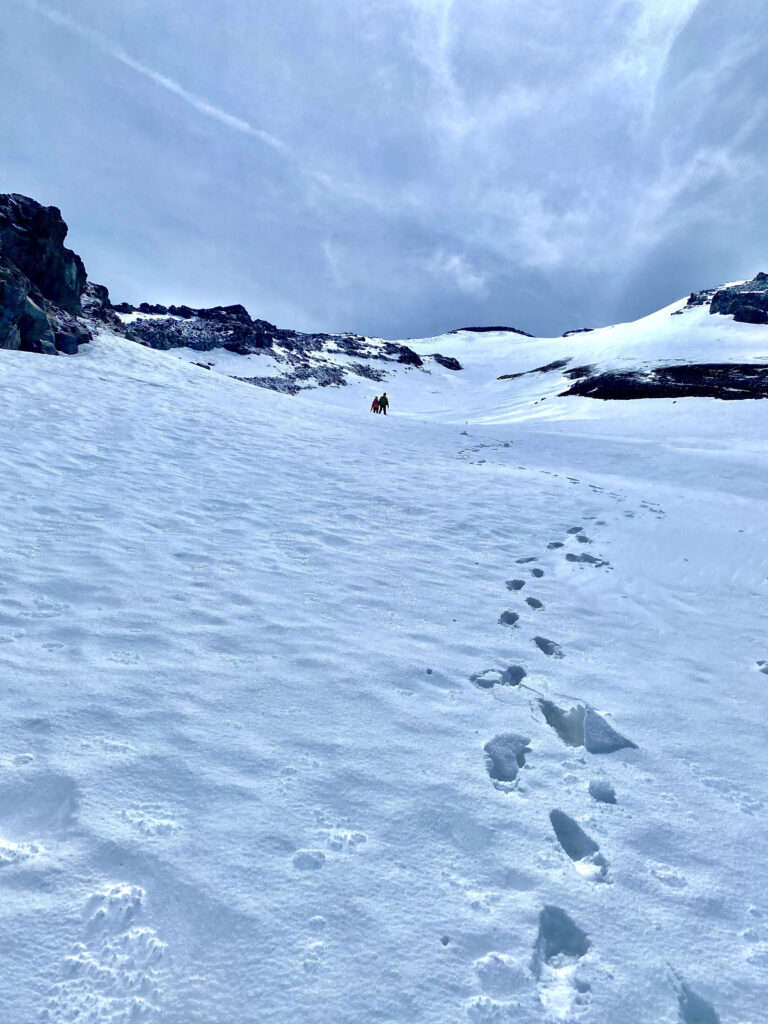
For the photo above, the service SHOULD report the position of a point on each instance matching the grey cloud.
(397, 168)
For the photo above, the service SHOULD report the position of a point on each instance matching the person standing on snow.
(383, 403)
(375, 404)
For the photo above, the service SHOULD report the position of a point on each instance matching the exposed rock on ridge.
(748, 302)
(41, 281)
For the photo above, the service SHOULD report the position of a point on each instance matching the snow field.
(248, 775)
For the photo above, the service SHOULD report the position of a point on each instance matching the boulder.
(32, 239)
(24, 322)
(68, 331)
(99, 311)
(747, 302)
(41, 281)
(447, 361)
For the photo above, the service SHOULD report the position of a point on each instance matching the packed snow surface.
(316, 716)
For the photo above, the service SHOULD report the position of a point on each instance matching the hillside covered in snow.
(312, 715)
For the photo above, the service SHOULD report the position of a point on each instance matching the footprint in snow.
(581, 848)
(515, 584)
(666, 874)
(344, 842)
(308, 860)
(501, 976)
(549, 647)
(491, 677)
(508, 618)
(12, 853)
(555, 544)
(762, 666)
(693, 1009)
(560, 946)
(534, 602)
(582, 726)
(586, 559)
(504, 757)
(538, 573)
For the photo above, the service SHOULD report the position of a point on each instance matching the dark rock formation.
(408, 356)
(447, 361)
(557, 364)
(747, 303)
(728, 381)
(24, 322)
(41, 281)
(205, 330)
(308, 359)
(99, 311)
(32, 239)
(487, 330)
(578, 330)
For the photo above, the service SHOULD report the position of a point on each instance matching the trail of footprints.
(553, 972)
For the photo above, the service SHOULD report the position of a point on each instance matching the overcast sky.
(396, 167)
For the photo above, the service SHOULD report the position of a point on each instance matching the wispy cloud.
(455, 268)
(198, 103)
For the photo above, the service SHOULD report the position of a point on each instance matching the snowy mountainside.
(503, 378)
(658, 356)
(454, 716)
(312, 715)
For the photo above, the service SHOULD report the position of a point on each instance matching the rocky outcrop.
(41, 281)
(207, 329)
(728, 381)
(32, 239)
(747, 303)
(447, 361)
(24, 322)
(495, 330)
(231, 328)
(557, 364)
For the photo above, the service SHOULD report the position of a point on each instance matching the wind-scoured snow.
(282, 744)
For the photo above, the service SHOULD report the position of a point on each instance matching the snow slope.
(265, 758)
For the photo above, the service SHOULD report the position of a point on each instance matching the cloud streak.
(198, 103)
(435, 162)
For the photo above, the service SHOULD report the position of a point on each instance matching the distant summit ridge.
(48, 305)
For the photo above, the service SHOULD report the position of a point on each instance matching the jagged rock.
(498, 330)
(232, 331)
(751, 315)
(700, 298)
(30, 323)
(408, 357)
(237, 312)
(447, 361)
(32, 239)
(578, 330)
(557, 364)
(68, 331)
(747, 303)
(24, 322)
(41, 281)
(729, 381)
(99, 311)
